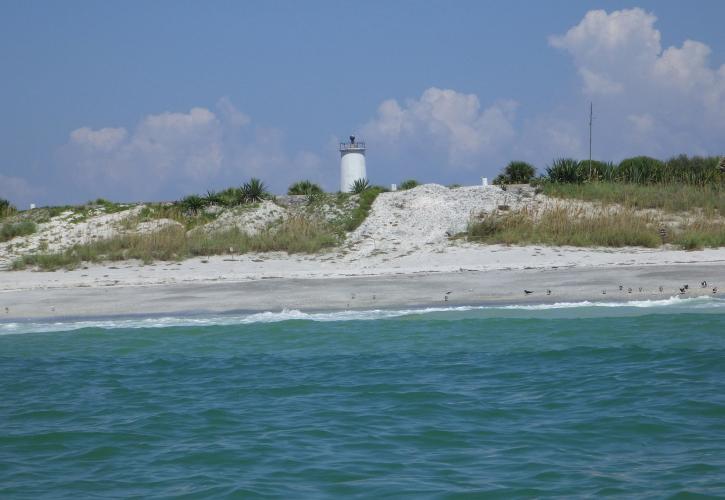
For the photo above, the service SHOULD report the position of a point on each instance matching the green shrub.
(192, 204)
(360, 186)
(564, 170)
(304, 188)
(408, 184)
(6, 208)
(519, 172)
(254, 191)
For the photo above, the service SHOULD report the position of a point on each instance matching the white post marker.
(393, 187)
(484, 181)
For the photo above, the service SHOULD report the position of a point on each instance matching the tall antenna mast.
(591, 113)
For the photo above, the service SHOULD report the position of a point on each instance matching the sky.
(154, 100)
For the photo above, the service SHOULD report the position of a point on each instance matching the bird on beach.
(527, 292)
(714, 290)
(686, 287)
(703, 284)
(445, 298)
(548, 292)
(640, 289)
(448, 292)
(682, 289)
(661, 288)
(629, 290)
(604, 292)
(620, 288)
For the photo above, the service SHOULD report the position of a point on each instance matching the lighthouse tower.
(352, 163)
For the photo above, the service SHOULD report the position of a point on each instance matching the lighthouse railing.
(347, 146)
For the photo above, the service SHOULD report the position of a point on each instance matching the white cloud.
(671, 97)
(445, 119)
(178, 153)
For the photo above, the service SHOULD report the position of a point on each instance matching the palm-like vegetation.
(360, 186)
(304, 188)
(192, 204)
(408, 184)
(254, 191)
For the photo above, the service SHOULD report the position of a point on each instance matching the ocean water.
(569, 400)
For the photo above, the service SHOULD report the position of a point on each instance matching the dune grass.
(667, 197)
(10, 230)
(563, 226)
(294, 235)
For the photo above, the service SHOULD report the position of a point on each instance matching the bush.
(254, 191)
(519, 172)
(192, 204)
(408, 184)
(11, 230)
(304, 188)
(640, 170)
(6, 208)
(360, 186)
(564, 170)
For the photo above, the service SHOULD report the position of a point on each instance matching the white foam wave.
(670, 304)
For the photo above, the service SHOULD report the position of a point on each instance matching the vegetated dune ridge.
(406, 232)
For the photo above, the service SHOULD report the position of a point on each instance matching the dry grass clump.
(294, 235)
(566, 226)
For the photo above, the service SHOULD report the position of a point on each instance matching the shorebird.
(604, 292)
(548, 292)
(703, 284)
(527, 292)
(445, 298)
(661, 289)
(629, 290)
(687, 287)
(714, 289)
(682, 289)
(620, 288)
(640, 289)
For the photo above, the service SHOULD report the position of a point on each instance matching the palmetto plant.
(213, 198)
(254, 191)
(304, 188)
(192, 203)
(519, 172)
(360, 186)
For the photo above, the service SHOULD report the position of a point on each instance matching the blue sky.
(154, 100)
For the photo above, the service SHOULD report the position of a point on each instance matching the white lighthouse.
(352, 163)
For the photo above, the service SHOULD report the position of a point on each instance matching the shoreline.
(417, 290)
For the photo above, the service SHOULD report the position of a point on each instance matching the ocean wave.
(672, 304)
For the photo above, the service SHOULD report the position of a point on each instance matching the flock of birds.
(683, 289)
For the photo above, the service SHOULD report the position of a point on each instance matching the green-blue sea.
(565, 400)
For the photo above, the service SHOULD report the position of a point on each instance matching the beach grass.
(294, 235)
(10, 230)
(666, 197)
(565, 226)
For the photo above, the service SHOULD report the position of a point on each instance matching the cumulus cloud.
(447, 120)
(668, 98)
(173, 153)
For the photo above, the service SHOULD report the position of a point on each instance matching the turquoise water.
(568, 401)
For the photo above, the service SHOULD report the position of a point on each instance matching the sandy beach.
(463, 275)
